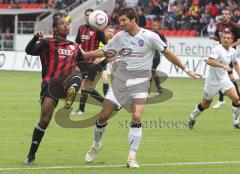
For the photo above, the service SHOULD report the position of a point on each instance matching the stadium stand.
(182, 18)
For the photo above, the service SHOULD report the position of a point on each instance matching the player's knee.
(205, 105)
(236, 100)
(104, 116)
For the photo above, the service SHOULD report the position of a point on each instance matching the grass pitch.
(168, 146)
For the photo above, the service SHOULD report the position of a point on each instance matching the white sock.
(196, 112)
(134, 137)
(235, 115)
(98, 132)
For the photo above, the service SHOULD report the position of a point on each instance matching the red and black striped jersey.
(58, 57)
(89, 38)
(232, 26)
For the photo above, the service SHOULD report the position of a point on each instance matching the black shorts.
(46, 93)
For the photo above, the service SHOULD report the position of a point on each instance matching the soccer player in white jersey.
(218, 79)
(134, 47)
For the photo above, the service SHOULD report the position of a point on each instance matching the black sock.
(200, 107)
(83, 100)
(37, 136)
(76, 82)
(96, 95)
(221, 96)
(236, 86)
(105, 88)
(236, 105)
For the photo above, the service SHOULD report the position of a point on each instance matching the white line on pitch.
(118, 165)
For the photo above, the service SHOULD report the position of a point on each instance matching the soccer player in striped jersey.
(134, 47)
(109, 33)
(89, 38)
(60, 59)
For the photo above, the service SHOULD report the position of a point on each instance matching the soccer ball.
(98, 19)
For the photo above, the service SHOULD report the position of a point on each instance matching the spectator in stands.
(213, 10)
(141, 17)
(114, 15)
(236, 16)
(211, 27)
(7, 40)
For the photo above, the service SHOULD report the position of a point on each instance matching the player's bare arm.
(176, 61)
(234, 44)
(213, 37)
(214, 63)
(94, 54)
(237, 69)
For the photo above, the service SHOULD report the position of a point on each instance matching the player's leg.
(209, 92)
(233, 95)
(236, 86)
(108, 107)
(155, 77)
(135, 132)
(156, 80)
(104, 77)
(220, 101)
(197, 111)
(47, 108)
(75, 83)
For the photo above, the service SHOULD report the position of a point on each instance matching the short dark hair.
(129, 12)
(227, 31)
(226, 9)
(88, 10)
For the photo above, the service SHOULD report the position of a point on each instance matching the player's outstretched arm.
(214, 63)
(34, 48)
(176, 61)
(234, 44)
(93, 54)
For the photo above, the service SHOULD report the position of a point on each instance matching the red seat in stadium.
(149, 24)
(193, 33)
(180, 33)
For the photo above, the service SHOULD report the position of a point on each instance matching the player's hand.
(39, 34)
(194, 74)
(226, 67)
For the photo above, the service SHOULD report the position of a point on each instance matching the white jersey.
(219, 53)
(135, 54)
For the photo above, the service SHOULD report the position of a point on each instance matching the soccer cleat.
(132, 163)
(71, 94)
(29, 161)
(191, 123)
(92, 152)
(236, 126)
(218, 104)
(78, 112)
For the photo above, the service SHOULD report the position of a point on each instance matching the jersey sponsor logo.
(91, 33)
(72, 47)
(141, 43)
(65, 52)
(85, 37)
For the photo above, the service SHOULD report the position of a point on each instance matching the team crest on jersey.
(91, 33)
(141, 42)
(72, 47)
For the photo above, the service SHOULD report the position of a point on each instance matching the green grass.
(213, 139)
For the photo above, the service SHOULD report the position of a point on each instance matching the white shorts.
(210, 90)
(124, 97)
